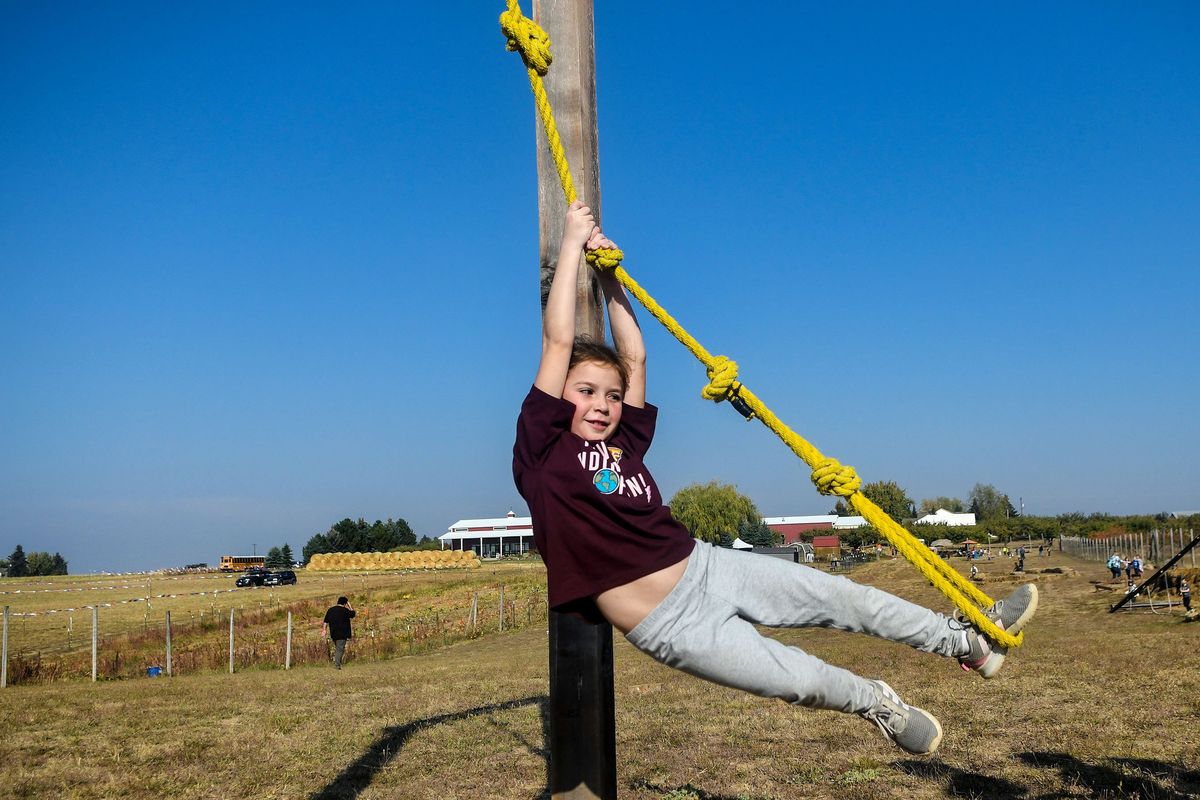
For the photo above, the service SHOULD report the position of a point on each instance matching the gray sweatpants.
(705, 627)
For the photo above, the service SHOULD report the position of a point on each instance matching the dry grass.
(1094, 705)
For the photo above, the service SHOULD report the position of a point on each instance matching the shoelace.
(882, 715)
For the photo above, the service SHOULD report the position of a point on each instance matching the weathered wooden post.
(169, 670)
(583, 760)
(287, 658)
(231, 641)
(95, 638)
(4, 652)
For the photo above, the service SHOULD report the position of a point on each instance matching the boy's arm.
(627, 334)
(558, 319)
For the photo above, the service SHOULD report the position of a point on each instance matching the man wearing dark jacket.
(337, 627)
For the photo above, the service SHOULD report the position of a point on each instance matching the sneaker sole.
(989, 668)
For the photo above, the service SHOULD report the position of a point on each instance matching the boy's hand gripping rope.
(830, 477)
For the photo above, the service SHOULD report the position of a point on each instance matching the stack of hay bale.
(417, 559)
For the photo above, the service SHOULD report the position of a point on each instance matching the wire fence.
(1153, 547)
(282, 636)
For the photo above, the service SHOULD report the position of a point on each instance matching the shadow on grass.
(1111, 778)
(1120, 777)
(355, 778)
(961, 783)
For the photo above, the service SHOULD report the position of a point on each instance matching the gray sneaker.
(1010, 614)
(912, 729)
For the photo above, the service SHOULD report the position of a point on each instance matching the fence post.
(95, 628)
(231, 641)
(287, 659)
(4, 652)
(1192, 535)
(502, 608)
(169, 671)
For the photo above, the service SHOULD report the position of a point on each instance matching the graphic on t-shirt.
(606, 481)
(604, 463)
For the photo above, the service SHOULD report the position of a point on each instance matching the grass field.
(1094, 705)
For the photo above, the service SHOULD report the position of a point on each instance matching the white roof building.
(507, 535)
(944, 517)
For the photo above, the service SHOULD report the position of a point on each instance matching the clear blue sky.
(265, 268)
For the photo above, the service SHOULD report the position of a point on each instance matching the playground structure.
(1156, 579)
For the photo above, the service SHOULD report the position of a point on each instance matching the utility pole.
(583, 761)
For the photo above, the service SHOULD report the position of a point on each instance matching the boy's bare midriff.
(627, 605)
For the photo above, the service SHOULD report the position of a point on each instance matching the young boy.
(612, 549)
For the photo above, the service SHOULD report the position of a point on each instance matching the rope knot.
(831, 477)
(604, 258)
(722, 379)
(527, 38)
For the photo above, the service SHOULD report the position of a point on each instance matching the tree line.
(356, 536)
(22, 565)
(718, 513)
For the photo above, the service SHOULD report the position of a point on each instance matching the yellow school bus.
(241, 563)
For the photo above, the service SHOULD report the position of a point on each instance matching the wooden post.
(501, 623)
(4, 652)
(231, 641)
(95, 628)
(287, 658)
(169, 670)
(583, 761)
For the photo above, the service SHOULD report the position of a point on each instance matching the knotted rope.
(830, 477)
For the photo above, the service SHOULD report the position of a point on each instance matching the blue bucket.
(153, 672)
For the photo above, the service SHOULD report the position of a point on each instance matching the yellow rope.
(830, 477)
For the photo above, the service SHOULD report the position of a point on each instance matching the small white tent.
(738, 544)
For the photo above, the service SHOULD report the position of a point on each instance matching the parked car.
(252, 578)
(281, 578)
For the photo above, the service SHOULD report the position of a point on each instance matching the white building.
(944, 517)
(509, 535)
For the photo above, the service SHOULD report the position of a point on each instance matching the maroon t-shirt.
(598, 519)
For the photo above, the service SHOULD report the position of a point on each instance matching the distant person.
(974, 572)
(1185, 592)
(1114, 564)
(1136, 566)
(337, 627)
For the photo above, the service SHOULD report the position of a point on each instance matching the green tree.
(17, 566)
(60, 565)
(39, 563)
(888, 495)
(285, 555)
(713, 511)
(317, 544)
(842, 509)
(273, 559)
(988, 503)
(403, 532)
(932, 504)
(756, 533)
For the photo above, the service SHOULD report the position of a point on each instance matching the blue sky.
(265, 268)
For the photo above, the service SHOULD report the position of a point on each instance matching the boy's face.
(596, 391)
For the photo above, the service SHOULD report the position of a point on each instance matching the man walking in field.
(337, 627)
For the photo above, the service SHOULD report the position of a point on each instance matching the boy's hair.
(588, 349)
(343, 600)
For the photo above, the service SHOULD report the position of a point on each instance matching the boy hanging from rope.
(613, 550)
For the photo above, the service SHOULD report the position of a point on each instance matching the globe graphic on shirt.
(606, 481)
